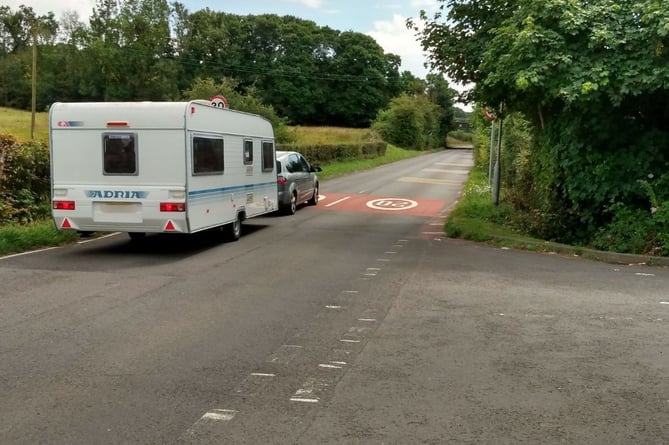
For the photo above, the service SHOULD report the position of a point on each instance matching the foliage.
(462, 135)
(409, 122)
(475, 217)
(24, 180)
(590, 79)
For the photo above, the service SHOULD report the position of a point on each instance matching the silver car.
(297, 181)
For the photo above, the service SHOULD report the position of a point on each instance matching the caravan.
(159, 167)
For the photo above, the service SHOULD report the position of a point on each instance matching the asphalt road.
(354, 321)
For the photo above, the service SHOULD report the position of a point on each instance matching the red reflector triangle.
(169, 226)
(66, 224)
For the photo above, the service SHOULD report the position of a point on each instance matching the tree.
(441, 94)
(581, 72)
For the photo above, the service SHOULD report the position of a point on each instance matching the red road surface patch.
(389, 205)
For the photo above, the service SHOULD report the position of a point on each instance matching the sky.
(383, 20)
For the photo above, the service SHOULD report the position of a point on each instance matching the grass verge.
(16, 239)
(393, 154)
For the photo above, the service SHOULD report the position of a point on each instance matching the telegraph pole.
(34, 83)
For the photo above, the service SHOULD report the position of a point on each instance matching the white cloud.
(395, 38)
(308, 3)
(42, 7)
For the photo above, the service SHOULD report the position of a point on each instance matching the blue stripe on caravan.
(214, 193)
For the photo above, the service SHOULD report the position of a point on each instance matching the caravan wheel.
(234, 230)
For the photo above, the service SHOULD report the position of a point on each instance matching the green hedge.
(326, 153)
(25, 187)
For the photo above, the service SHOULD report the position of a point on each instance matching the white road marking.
(350, 292)
(442, 170)
(664, 302)
(367, 319)
(98, 238)
(346, 340)
(328, 366)
(219, 414)
(338, 201)
(390, 252)
(640, 274)
(301, 399)
(383, 259)
(329, 306)
(262, 374)
(27, 253)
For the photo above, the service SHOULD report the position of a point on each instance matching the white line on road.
(338, 201)
(98, 238)
(219, 414)
(27, 253)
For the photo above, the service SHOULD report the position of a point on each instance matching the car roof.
(283, 154)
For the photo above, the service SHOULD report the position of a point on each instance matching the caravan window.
(207, 156)
(267, 156)
(119, 153)
(248, 152)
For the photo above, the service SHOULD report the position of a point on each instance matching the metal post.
(492, 154)
(498, 162)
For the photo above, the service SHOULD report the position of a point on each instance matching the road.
(355, 321)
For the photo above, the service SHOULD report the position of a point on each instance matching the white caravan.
(159, 167)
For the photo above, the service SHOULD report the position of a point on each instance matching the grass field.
(18, 123)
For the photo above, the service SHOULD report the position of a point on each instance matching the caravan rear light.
(281, 180)
(172, 206)
(63, 205)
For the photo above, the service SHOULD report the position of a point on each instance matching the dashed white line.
(301, 399)
(347, 340)
(262, 374)
(332, 306)
(367, 319)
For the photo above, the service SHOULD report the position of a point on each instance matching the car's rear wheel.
(291, 208)
(314, 199)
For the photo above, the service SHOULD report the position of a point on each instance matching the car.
(297, 181)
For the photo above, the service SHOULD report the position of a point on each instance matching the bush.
(409, 122)
(25, 187)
